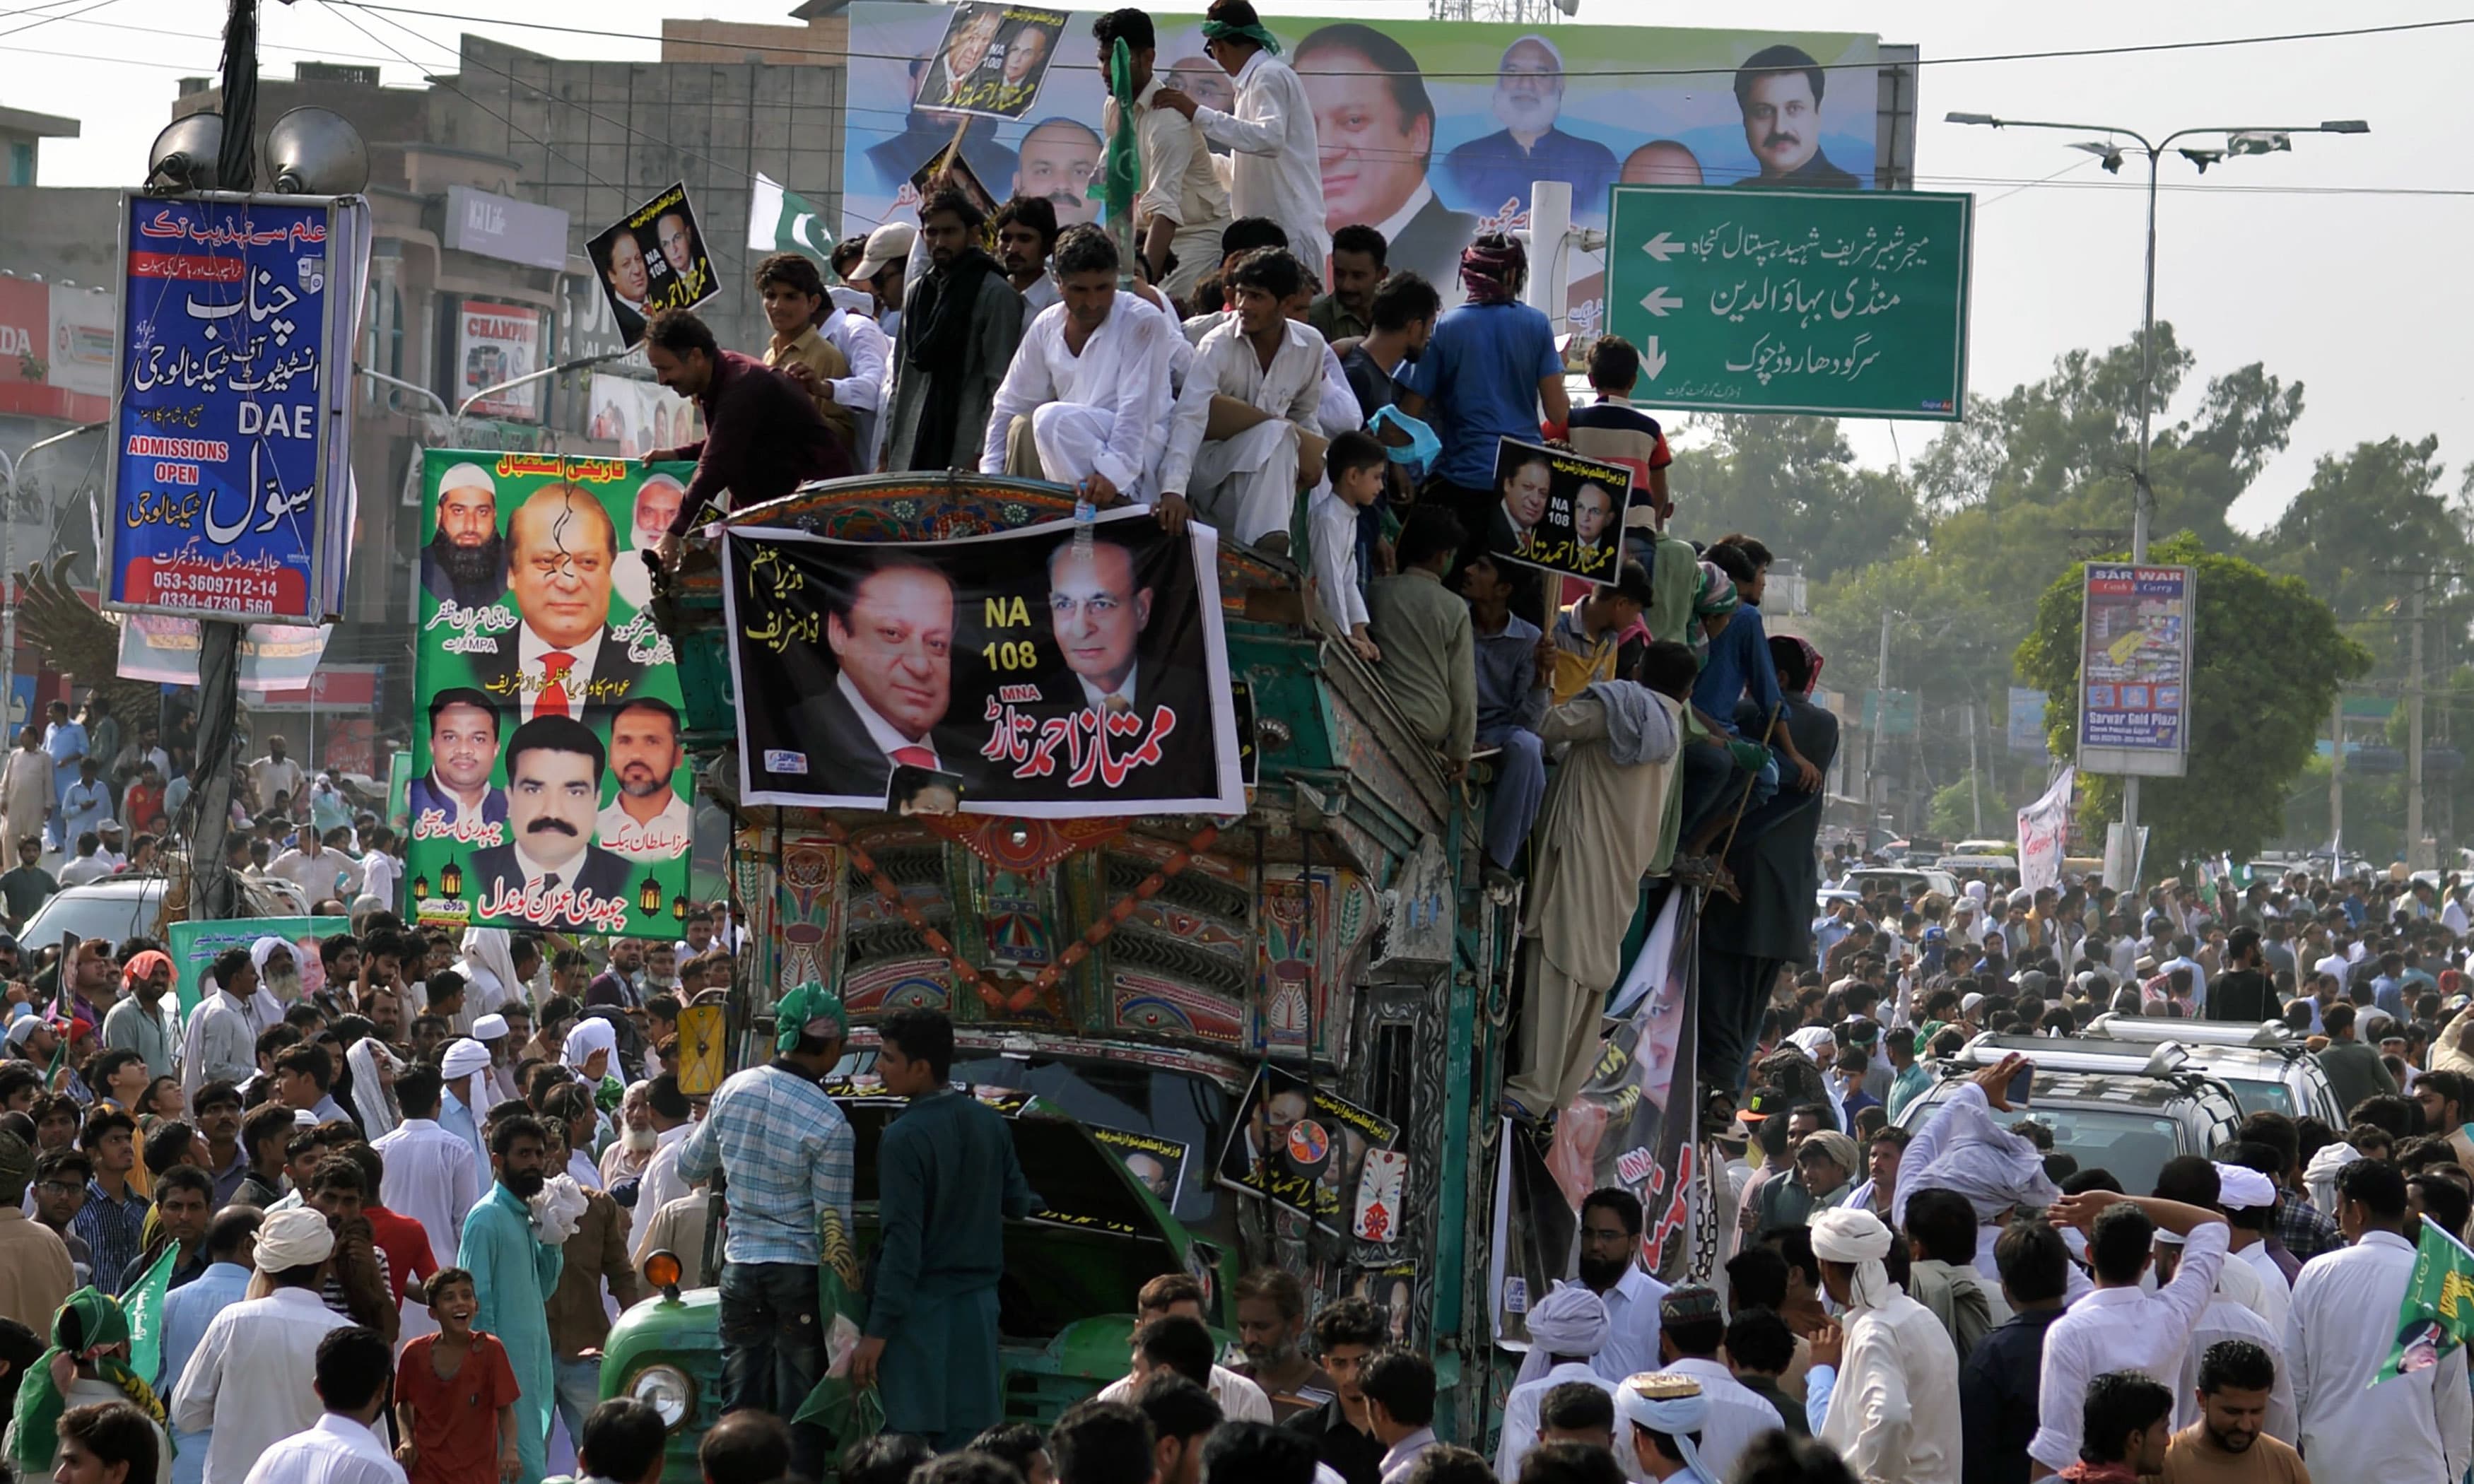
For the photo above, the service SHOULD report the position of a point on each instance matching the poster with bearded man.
(549, 780)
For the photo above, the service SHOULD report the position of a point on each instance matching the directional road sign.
(1850, 303)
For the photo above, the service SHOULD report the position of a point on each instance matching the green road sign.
(1847, 303)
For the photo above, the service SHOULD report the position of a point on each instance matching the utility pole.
(212, 893)
(1875, 795)
(2413, 729)
(1975, 792)
(2337, 787)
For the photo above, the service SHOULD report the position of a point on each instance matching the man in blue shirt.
(231, 1238)
(66, 742)
(1491, 175)
(1514, 663)
(1489, 368)
(1998, 1382)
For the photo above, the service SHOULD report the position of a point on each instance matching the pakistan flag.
(2438, 1314)
(780, 221)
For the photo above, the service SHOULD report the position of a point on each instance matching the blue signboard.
(228, 420)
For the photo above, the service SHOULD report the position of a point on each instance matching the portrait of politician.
(562, 552)
(1486, 174)
(678, 244)
(462, 749)
(957, 74)
(927, 129)
(555, 765)
(1374, 124)
(1024, 51)
(1060, 159)
(631, 283)
(466, 561)
(892, 634)
(646, 820)
(1526, 485)
(657, 504)
(1778, 88)
(1594, 508)
(1100, 611)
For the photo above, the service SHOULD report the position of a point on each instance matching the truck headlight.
(669, 1391)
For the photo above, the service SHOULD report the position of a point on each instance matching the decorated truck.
(1252, 1016)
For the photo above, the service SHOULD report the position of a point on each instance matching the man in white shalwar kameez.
(2343, 1327)
(1092, 374)
(1883, 1387)
(1567, 1329)
(1594, 840)
(1276, 171)
(1257, 383)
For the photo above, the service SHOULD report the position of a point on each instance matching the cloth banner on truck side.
(1632, 1125)
(550, 784)
(1056, 672)
(2043, 834)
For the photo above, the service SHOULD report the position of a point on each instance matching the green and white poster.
(194, 946)
(550, 779)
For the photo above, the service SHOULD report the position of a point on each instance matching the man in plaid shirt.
(786, 1151)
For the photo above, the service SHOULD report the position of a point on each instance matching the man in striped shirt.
(787, 1152)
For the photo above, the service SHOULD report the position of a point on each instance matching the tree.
(2371, 523)
(1794, 482)
(1955, 807)
(2266, 662)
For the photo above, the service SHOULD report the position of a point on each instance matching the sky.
(2264, 261)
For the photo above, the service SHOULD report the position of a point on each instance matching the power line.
(2133, 49)
(48, 19)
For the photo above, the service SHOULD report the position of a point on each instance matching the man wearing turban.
(1884, 1388)
(1566, 1327)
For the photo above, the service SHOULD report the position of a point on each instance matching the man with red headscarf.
(139, 1022)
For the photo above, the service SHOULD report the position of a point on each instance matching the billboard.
(642, 416)
(550, 785)
(496, 343)
(84, 339)
(1420, 123)
(2134, 669)
(228, 435)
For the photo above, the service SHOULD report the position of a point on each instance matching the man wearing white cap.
(1567, 1329)
(465, 562)
(1666, 1413)
(250, 1380)
(463, 1066)
(1883, 1387)
(2230, 1317)
(491, 1031)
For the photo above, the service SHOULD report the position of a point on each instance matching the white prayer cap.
(490, 1028)
(2240, 1187)
(1970, 1000)
(1811, 1038)
(1664, 1401)
(293, 1238)
(1571, 1320)
(467, 476)
(1533, 38)
(464, 1056)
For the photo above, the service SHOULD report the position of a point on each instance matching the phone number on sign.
(246, 594)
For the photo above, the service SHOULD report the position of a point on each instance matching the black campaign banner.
(1065, 670)
(651, 259)
(1558, 510)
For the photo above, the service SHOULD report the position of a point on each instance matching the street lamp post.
(2257, 140)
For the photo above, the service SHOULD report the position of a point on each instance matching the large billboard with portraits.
(1065, 670)
(550, 782)
(1429, 131)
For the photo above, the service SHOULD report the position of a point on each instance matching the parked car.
(1870, 879)
(120, 907)
(2268, 1067)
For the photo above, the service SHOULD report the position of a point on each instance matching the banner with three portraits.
(550, 786)
(1060, 671)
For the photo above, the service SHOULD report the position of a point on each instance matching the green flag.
(2438, 1314)
(783, 221)
(143, 1305)
(1123, 177)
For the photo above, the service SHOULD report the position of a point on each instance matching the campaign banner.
(550, 784)
(1158, 1164)
(1420, 123)
(641, 416)
(650, 259)
(1559, 511)
(2134, 669)
(273, 657)
(496, 344)
(1062, 671)
(1633, 1127)
(219, 474)
(1302, 1147)
(194, 946)
(2043, 834)
(992, 58)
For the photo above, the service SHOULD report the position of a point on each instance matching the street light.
(2254, 139)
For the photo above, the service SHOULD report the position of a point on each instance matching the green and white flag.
(783, 221)
(143, 1306)
(2438, 1314)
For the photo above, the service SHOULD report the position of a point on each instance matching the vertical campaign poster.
(1558, 510)
(993, 58)
(2134, 669)
(651, 259)
(495, 345)
(550, 785)
(235, 329)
